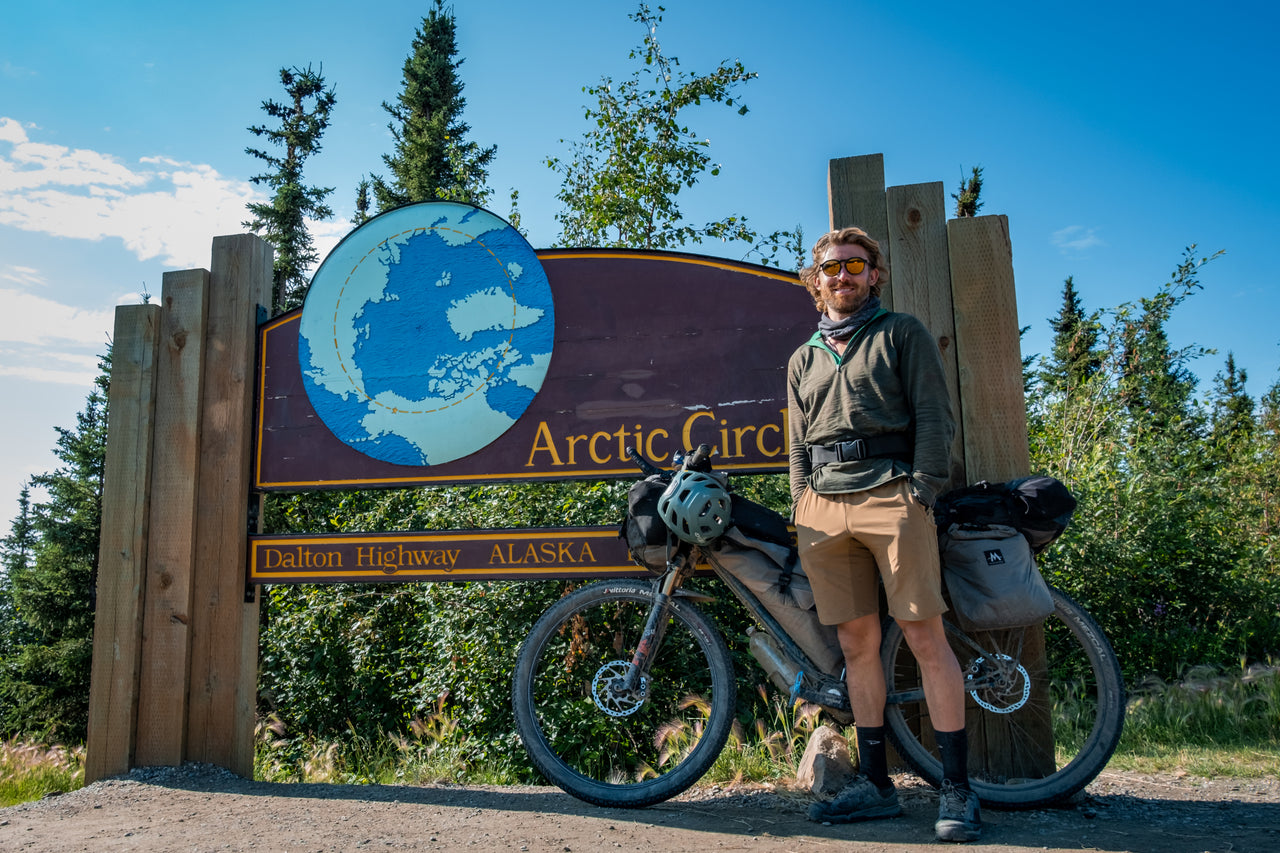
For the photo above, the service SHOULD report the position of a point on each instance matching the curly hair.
(843, 237)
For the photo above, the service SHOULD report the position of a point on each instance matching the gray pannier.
(992, 579)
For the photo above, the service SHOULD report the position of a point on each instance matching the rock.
(826, 765)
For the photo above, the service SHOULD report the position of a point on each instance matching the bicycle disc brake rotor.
(1005, 686)
(608, 690)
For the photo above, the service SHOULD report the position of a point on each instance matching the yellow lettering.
(573, 443)
(272, 557)
(760, 440)
(648, 444)
(548, 551)
(543, 441)
(686, 434)
(738, 433)
(530, 554)
(586, 553)
(622, 441)
(591, 447)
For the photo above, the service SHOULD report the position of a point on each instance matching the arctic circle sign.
(426, 333)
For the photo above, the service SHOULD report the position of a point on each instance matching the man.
(871, 430)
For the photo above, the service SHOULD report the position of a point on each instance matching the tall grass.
(1209, 723)
(29, 771)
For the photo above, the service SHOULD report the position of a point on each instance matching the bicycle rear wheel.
(602, 743)
(1043, 717)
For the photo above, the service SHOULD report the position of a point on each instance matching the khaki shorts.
(847, 541)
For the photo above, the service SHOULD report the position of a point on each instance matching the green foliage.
(51, 565)
(433, 159)
(366, 659)
(1168, 550)
(282, 222)
(967, 203)
(1075, 358)
(622, 182)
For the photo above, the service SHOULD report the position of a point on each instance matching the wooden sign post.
(209, 406)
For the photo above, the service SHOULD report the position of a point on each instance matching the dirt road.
(201, 808)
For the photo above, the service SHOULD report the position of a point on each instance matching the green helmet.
(695, 506)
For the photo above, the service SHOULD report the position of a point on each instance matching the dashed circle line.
(515, 307)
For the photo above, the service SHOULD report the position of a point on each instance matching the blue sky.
(1112, 136)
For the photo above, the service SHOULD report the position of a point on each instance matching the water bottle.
(764, 648)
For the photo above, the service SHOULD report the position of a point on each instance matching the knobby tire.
(1075, 690)
(637, 749)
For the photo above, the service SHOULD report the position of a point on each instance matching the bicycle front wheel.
(1043, 710)
(603, 741)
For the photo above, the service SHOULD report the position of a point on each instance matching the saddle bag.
(992, 579)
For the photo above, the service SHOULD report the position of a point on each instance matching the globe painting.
(426, 333)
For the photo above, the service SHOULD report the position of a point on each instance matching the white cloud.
(159, 208)
(47, 342)
(1076, 238)
(34, 320)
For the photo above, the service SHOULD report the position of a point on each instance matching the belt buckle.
(856, 450)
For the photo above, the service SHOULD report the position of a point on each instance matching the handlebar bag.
(648, 539)
(992, 579)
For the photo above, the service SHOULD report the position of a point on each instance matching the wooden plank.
(921, 282)
(994, 424)
(855, 196)
(224, 627)
(166, 624)
(993, 410)
(117, 626)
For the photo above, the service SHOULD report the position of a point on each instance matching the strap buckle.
(854, 450)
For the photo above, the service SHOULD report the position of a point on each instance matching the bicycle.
(624, 691)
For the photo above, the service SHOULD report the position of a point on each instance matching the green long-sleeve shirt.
(889, 380)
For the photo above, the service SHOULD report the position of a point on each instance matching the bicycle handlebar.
(699, 460)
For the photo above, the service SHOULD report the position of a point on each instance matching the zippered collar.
(818, 341)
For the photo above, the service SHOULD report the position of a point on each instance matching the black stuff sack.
(648, 539)
(992, 578)
(1038, 507)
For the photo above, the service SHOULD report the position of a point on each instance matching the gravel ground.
(204, 808)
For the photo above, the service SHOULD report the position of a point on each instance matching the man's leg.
(871, 795)
(860, 642)
(958, 817)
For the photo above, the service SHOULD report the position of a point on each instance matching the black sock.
(953, 747)
(873, 758)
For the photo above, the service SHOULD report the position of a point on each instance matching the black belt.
(894, 444)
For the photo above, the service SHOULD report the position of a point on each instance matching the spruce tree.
(1156, 382)
(1231, 408)
(16, 552)
(302, 120)
(967, 203)
(433, 160)
(1075, 357)
(45, 679)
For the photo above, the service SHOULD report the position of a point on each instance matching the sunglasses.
(853, 265)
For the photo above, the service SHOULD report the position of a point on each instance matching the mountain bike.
(624, 691)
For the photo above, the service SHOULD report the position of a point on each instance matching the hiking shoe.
(859, 800)
(958, 817)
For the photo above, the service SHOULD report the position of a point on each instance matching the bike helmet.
(695, 506)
